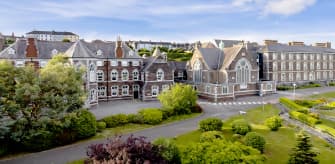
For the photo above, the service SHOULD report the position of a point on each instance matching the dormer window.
(11, 51)
(99, 52)
(54, 52)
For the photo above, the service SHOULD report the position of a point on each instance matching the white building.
(53, 35)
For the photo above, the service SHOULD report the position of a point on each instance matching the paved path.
(77, 151)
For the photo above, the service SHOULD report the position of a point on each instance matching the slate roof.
(230, 55)
(51, 32)
(178, 65)
(157, 57)
(107, 48)
(286, 48)
(80, 50)
(213, 57)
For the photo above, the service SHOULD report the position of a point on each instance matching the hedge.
(101, 125)
(308, 103)
(292, 105)
(115, 120)
(304, 118)
(326, 129)
(151, 116)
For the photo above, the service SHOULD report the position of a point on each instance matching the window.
(92, 73)
(11, 51)
(124, 63)
(318, 75)
(305, 76)
(208, 89)
(136, 63)
(274, 56)
(165, 87)
(243, 73)
(274, 76)
(115, 90)
(100, 63)
(275, 67)
(125, 90)
(101, 91)
(135, 75)
(282, 56)
(311, 65)
(290, 76)
(290, 56)
(330, 65)
(331, 75)
(283, 66)
(99, 53)
(298, 65)
(19, 64)
(154, 90)
(197, 72)
(318, 57)
(180, 74)
(125, 75)
(324, 65)
(298, 56)
(311, 76)
(330, 57)
(305, 56)
(114, 63)
(114, 75)
(298, 76)
(283, 77)
(290, 66)
(311, 56)
(100, 75)
(160, 74)
(224, 90)
(325, 76)
(324, 57)
(92, 95)
(305, 66)
(318, 65)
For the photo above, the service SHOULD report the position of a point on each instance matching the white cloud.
(287, 7)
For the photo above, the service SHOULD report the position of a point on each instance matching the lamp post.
(294, 85)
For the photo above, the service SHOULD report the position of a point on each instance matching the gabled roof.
(129, 53)
(213, 57)
(230, 55)
(80, 50)
(157, 57)
(107, 48)
(178, 65)
(286, 48)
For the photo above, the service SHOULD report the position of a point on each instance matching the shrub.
(331, 84)
(210, 136)
(241, 127)
(3, 147)
(314, 115)
(151, 116)
(38, 140)
(211, 124)
(236, 137)
(168, 150)
(307, 103)
(326, 129)
(135, 118)
(115, 120)
(101, 125)
(167, 113)
(255, 140)
(284, 88)
(304, 118)
(292, 105)
(273, 123)
(84, 125)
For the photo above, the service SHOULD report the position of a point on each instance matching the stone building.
(53, 35)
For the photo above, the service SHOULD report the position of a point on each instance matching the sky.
(175, 20)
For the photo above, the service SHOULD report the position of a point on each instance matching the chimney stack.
(325, 45)
(270, 42)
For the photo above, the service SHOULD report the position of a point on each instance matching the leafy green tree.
(211, 124)
(302, 153)
(180, 99)
(168, 150)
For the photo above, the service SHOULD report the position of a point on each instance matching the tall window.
(274, 76)
(115, 90)
(283, 77)
(283, 65)
(330, 65)
(92, 73)
(100, 75)
(154, 90)
(243, 73)
(311, 76)
(274, 66)
(305, 66)
(224, 90)
(160, 74)
(92, 95)
(102, 91)
(298, 66)
(318, 65)
(135, 75)
(325, 75)
(125, 75)
(197, 72)
(114, 75)
(324, 65)
(331, 75)
(290, 76)
(311, 66)
(125, 90)
(305, 76)
(297, 76)
(290, 66)
(282, 56)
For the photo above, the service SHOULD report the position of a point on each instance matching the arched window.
(114, 75)
(92, 73)
(125, 75)
(135, 75)
(160, 74)
(100, 75)
(197, 72)
(243, 73)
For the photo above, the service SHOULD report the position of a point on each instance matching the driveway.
(78, 151)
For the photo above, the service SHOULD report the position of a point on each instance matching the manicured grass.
(327, 122)
(324, 95)
(278, 143)
(327, 112)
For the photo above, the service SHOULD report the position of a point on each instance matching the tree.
(255, 140)
(66, 40)
(179, 99)
(302, 153)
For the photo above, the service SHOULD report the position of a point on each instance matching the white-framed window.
(331, 75)
(330, 65)
(298, 56)
(305, 66)
(325, 75)
(324, 65)
(114, 63)
(101, 91)
(324, 56)
(224, 90)
(318, 57)
(99, 52)
(282, 56)
(305, 76)
(274, 76)
(311, 56)
(283, 77)
(290, 76)
(100, 75)
(19, 63)
(330, 57)
(318, 75)
(92, 72)
(125, 75)
(274, 56)
(124, 63)
(311, 65)
(197, 72)
(92, 95)
(311, 76)
(290, 56)
(11, 51)
(135, 75)
(208, 89)
(100, 63)
(165, 87)
(115, 90)
(154, 90)
(180, 74)
(242, 69)
(298, 66)
(274, 66)
(114, 75)
(160, 75)
(305, 56)
(283, 66)
(136, 63)
(318, 65)
(298, 76)
(290, 66)
(125, 90)
(54, 52)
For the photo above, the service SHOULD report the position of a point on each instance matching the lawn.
(278, 144)
(324, 95)
(327, 112)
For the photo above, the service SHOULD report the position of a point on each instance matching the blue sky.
(175, 20)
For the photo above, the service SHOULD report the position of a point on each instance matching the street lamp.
(294, 85)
